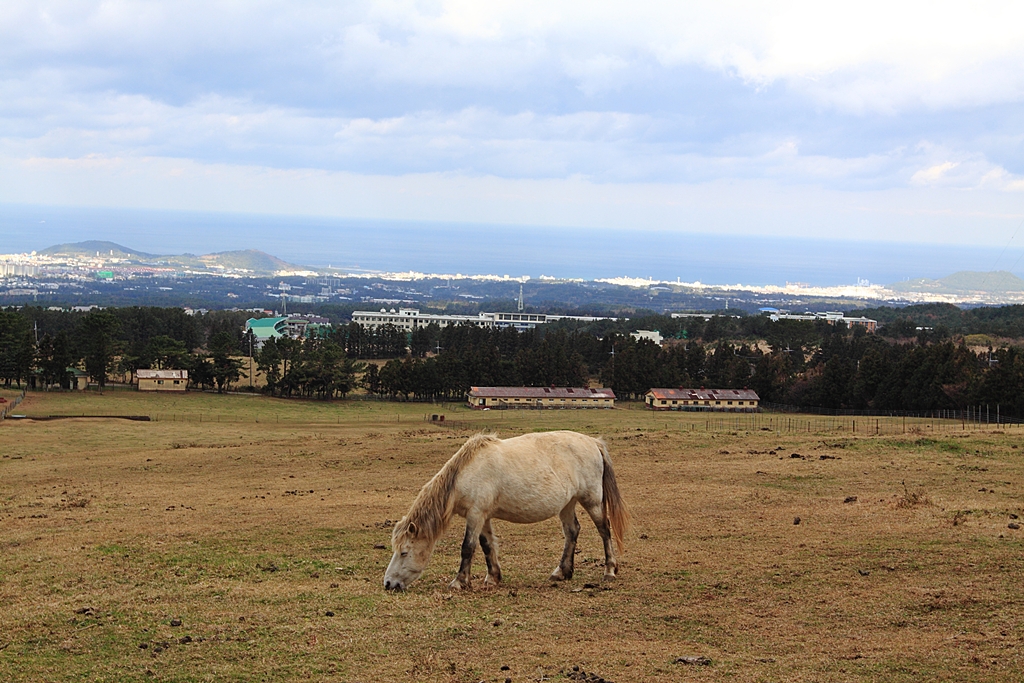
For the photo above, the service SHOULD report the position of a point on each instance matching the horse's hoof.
(557, 575)
(610, 577)
(490, 582)
(457, 585)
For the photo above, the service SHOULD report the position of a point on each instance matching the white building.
(653, 335)
(705, 316)
(411, 319)
(831, 317)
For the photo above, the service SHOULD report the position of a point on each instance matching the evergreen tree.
(1003, 382)
(424, 340)
(371, 380)
(226, 369)
(200, 371)
(165, 352)
(17, 348)
(53, 358)
(100, 344)
(268, 362)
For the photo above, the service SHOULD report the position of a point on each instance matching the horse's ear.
(412, 529)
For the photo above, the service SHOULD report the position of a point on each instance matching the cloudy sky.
(869, 120)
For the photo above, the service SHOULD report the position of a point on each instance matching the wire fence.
(844, 425)
(737, 423)
(983, 413)
(775, 418)
(281, 417)
(9, 407)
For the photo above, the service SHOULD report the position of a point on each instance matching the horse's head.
(412, 552)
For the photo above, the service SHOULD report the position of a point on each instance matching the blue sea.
(372, 245)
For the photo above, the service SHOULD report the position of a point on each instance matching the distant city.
(374, 247)
(106, 273)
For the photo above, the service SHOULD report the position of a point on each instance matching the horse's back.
(531, 477)
(565, 453)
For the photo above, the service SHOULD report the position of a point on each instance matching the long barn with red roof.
(726, 400)
(540, 397)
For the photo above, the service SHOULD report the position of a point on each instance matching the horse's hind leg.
(611, 565)
(571, 529)
(474, 525)
(489, 546)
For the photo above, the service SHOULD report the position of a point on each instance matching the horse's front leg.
(571, 529)
(474, 525)
(489, 546)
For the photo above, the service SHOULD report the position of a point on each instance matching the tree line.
(315, 367)
(806, 364)
(39, 347)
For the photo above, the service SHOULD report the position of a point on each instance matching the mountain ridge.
(95, 248)
(254, 260)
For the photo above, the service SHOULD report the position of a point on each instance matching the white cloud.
(865, 56)
(604, 146)
(969, 172)
(910, 98)
(870, 56)
(1000, 178)
(932, 175)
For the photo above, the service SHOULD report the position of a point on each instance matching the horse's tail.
(615, 510)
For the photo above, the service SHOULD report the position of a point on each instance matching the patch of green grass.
(927, 444)
(116, 549)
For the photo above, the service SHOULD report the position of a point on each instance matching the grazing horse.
(524, 479)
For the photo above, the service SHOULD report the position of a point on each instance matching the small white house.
(653, 335)
(162, 380)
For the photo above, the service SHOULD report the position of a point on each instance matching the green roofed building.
(78, 379)
(292, 326)
(266, 328)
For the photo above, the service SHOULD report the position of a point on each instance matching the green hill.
(249, 259)
(96, 248)
(964, 282)
(258, 262)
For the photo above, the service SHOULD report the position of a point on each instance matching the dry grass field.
(248, 547)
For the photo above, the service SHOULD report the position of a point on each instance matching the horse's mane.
(432, 508)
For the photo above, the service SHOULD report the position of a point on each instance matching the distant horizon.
(514, 250)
